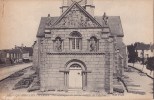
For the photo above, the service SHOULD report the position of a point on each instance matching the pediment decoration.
(76, 17)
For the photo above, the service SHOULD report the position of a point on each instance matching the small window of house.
(7, 55)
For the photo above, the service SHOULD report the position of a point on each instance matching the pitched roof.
(142, 46)
(5, 50)
(28, 49)
(114, 23)
(43, 22)
(15, 51)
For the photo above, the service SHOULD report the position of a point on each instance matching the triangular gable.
(76, 17)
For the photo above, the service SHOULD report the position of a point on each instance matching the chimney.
(48, 15)
(15, 46)
(22, 45)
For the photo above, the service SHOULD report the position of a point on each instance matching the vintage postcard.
(76, 50)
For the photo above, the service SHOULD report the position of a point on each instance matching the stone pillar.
(111, 73)
(112, 49)
(67, 81)
(109, 65)
(41, 61)
(84, 81)
(64, 79)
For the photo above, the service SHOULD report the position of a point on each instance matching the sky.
(19, 19)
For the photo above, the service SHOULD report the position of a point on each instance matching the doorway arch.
(75, 70)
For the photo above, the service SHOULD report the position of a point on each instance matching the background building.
(16, 55)
(144, 50)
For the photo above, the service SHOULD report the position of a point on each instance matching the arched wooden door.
(75, 76)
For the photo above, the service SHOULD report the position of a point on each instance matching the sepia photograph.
(76, 50)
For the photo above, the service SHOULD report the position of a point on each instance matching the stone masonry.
(78, 41)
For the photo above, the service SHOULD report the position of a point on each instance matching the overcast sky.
(20, 20)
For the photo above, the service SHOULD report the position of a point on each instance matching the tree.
(132, 54)
(150, 64)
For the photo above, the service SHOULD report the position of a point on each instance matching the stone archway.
(75, 68)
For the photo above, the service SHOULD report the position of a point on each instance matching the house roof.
(15, 51)
(20, 50)
(114, 23)
(43, 22)
(5, 50)
(142, 46)
(11, 51)
(28, 49)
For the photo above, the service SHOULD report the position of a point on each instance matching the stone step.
(136, 91)
(118, 87)
(75, 89)
(133, 85)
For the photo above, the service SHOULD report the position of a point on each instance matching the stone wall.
(52, 77)
(98, 64)
(65, 34)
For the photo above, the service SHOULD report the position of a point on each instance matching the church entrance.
(75, 77)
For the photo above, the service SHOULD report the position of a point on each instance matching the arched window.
(93, 44)
(75, 41)
(58, 44)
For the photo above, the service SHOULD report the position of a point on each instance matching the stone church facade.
(78, 50)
